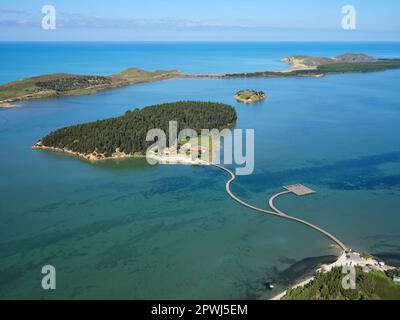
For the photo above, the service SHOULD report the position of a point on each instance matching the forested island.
(61, 84)
(250, 96)
(125, 136)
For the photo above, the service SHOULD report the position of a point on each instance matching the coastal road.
(276, 212)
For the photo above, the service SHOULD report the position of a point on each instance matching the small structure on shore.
(170, 150)
(198, 149)
(187, 149)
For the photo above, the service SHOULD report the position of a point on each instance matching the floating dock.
(299, 190)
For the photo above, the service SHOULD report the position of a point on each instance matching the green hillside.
(62, 84)
(374, 285)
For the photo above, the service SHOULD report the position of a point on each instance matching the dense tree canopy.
(128, 132)
(374, 285)
(72, 83)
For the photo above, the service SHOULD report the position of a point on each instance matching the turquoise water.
(123, 229)
(19, 60)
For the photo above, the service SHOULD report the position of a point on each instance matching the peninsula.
(62, 84)
(125, 136)
(309, 66)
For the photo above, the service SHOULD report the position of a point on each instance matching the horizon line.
(199, 41)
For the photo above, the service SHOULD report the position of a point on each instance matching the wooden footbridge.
(295, 189)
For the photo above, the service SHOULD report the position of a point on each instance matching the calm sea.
(123, 229)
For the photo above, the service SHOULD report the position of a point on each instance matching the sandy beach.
(8, 105)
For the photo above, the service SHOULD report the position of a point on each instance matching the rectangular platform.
(299, 189)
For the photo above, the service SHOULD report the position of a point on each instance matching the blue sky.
(200, 20)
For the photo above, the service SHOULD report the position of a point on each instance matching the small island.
(250, 96)
(125, 136)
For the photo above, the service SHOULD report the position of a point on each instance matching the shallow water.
(124, 229)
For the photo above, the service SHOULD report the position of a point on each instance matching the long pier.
(276, 212)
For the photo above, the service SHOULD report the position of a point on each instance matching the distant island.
(309, 66)
(250, 96)
(125, 136)
(61, 84)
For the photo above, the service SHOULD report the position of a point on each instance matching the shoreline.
(95, 157)
(351, 258)
(92, 157)
(300, 284)
(132, 76)
(11, 102)
(341, 261)
(8, 105)
(294, 66)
